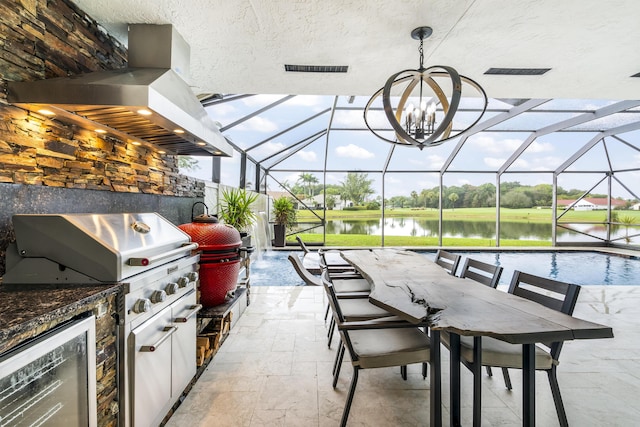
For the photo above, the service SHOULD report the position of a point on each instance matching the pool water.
(272, 268)
(582, 268)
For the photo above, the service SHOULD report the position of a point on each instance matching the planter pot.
(278, 235)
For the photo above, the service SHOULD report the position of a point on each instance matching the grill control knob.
(192, 276)
(158, 296)
(183, 281)
(171, 288)
(142, 305)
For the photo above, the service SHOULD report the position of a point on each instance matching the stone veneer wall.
(52, 38)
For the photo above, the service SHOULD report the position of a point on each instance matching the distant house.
(592, 203)
(635, 207)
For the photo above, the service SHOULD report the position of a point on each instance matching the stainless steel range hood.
(149, 102)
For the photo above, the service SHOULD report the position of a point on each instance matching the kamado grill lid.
(211, 235)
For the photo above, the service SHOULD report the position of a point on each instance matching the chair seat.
(351, 285)
(499, 353)
(380, 348)
(357, 309)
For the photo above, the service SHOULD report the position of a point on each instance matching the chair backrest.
(302, 245)
(331, 295)
(482, 272)
(448, 261)
(560, 296)
(304, 274)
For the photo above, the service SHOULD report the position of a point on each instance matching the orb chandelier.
(423, 116)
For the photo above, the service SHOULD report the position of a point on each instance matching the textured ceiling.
(241, 46)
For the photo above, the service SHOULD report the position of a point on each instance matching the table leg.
(436, 381)
(454, 382)
(528, 385)
(476, 368)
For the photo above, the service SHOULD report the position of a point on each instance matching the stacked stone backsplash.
(53, 38)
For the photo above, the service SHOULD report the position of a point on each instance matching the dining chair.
(489, 275)
(355, 302)
(448, 261)
(481, 272)
(304, 274)
(346, 283)
(379, 343)
(554, 294)
(303, 246)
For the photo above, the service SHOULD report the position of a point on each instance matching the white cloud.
(353, 151)
(267, 149)
(307, 156)
(333, 179)
(221, 111)
(489, 144)
(349, 118)
(520, 163)
(305, 100)
(258, 124)
(539, 147)
(497, 163)
(494, 162)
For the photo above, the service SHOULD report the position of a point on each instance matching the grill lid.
(106, 247)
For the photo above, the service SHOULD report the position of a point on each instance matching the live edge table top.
(411, 286)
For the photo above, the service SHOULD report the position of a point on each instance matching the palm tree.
(308, 179)
(453, 198)
(414, 197)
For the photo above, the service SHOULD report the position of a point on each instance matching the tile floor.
(274, 369)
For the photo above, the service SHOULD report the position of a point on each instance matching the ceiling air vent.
(316, 68)
(517, 71)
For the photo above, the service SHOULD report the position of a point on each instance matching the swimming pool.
(272, 268)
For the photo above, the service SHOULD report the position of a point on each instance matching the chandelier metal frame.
(414, 132)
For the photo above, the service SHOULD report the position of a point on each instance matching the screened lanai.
(567, 126)
(588, 145)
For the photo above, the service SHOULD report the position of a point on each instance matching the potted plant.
(235, 209)
(284, 216)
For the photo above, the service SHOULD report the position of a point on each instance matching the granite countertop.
(31, 307)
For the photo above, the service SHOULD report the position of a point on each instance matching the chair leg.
(335, 362)
(557, 398)
(336, 374)
(489, 371)
(326, 313)
(507, 378)
(352, 390)
(332, 326)
(403, 372)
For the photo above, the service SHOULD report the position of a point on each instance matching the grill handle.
(143, 262)
(195, 308)
(169, 330)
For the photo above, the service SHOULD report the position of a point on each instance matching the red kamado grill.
(219, 259)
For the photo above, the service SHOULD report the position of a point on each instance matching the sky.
(352, 147)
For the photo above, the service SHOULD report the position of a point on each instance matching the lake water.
(273, 268)
(419, 227)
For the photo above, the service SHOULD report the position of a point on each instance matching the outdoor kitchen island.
(27, 311)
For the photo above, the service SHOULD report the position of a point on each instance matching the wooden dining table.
(410, 285)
